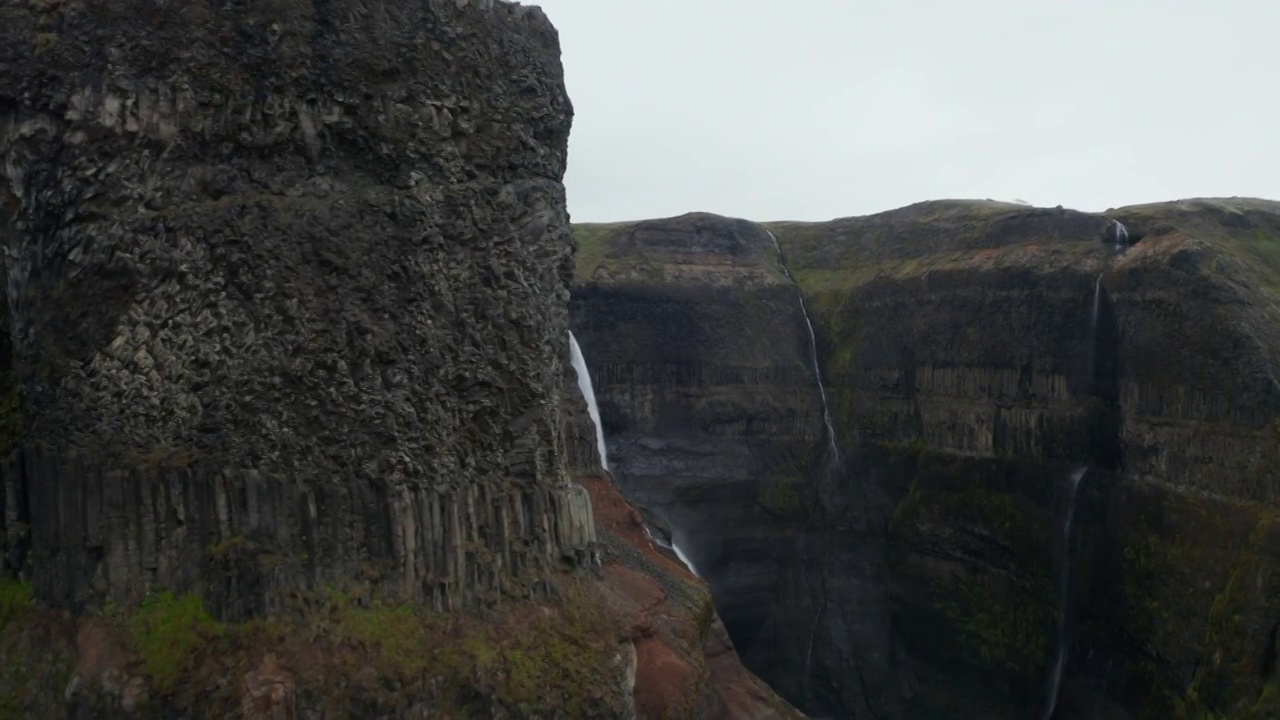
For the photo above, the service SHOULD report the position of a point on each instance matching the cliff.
(975, 355)
(282, 375)
(682, 662)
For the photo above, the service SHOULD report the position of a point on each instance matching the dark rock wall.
(702, 366)
(969, 379)
(979, 374)
(292, 274)
(708, 404)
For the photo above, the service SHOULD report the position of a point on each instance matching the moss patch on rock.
(170, 631)
(992, 582)
(35, 654)
(16, 600)
(1245, 230)
(593, 240)
(1201, 592)
(783, 495)
(1004, 626)
(551, 660)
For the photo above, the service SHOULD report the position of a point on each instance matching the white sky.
(813, 109)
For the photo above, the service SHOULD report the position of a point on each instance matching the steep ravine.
(968, 380)
(683, 663)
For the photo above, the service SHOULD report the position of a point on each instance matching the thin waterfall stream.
(832, 445)
(589, 395)
(813, 351)
(579, 362)
(1064, 587)
(673, 547)
(1122, 235)
(1097, 307)
(1064, 570)
(1094, 350)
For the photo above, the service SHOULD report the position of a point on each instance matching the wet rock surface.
(977, 354)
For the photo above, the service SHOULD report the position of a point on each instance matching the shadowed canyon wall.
(976, 354)
(683, 663)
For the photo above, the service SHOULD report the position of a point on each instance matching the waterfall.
(1122, 235)
(813, 351)
(1064, 585)
(1097, 305)
(673, 548)
(588, 394)
(1093, 329)
(584, 383)
(831, 439)
(683, 558)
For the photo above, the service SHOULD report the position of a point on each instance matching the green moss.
(593, 240)
(16, 599)
(169, 631)
(1003, 612)
(1244, 230)
(1200, 586)
(783, 495)
(1018, 524)
(1004, 627)
(532, 659)
(230, 546)
(1268, 704)
(45, 42)
(556, 659)
(906, 513)
(1265, 248)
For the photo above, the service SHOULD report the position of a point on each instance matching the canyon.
(313, 403)
(977, 356)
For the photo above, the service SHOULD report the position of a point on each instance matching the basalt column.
(287, 285)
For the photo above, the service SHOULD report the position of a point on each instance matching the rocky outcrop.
(287, 288)
(281, 380)
(294, 275)
(976, 354)
(685, 665)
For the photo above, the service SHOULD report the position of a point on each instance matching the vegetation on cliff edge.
(552, 660)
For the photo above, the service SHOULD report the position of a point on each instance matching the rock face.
(697, 346)
(293, 274)
(282, 381)
(684, 664)
(976, 355)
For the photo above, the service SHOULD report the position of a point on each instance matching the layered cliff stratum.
(288, 418)
(964, 459)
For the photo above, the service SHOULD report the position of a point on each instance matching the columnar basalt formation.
(290, 278)
(974, 361)
(285, 376)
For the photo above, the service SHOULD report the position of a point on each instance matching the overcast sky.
(813, 109)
